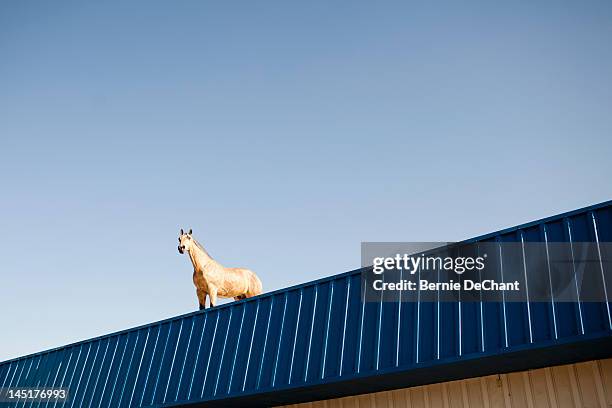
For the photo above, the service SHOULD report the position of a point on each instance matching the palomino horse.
(213, 279)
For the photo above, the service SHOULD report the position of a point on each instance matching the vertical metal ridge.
(550, 311)
(182, 372)
(379, 325)
(195, 363)
(6, 375)
(229, 386)
(552, 294)
(526, 286)
(460, 322)
(11, 366)
(571, 241)
(95, 385)
(89, 345)
(418, 320)
(438, 319)
(146, 381)
(501, 270)
(19, 382)
(161, 362)
(109, 369)
(361, 317)
(52, 368)
(59, 369)
(112, 394)
(25, 382)
(129, 366)
(399, 321)
(601, 268)
(246, 371)
(326, 337)
(49, 360)
(18, 377)
(314, 309)
(54, 363)
(89, 374)
(178, 341)
(348, 292)
(263, 353)
(212, 346)
(19, 365)
(61, 383)
(229, 323)
(76, 366)
(280, 340)
(482, 319)
(144, 349)
(297, 326)
(22, 379)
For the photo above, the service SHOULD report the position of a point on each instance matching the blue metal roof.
(319, 340)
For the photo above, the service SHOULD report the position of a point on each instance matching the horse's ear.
(190, 231)
(182, 231)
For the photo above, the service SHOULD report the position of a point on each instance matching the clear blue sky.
(284, 134)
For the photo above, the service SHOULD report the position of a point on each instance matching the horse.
(213, 279)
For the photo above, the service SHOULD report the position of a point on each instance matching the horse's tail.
(255, 287)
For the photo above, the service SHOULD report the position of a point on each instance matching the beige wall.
(576, 385)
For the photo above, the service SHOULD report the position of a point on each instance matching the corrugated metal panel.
(587, 384)
(320, 340)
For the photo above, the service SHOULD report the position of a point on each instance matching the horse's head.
(185, 241)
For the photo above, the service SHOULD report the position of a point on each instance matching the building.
(320, 341)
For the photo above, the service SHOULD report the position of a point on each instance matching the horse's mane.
(201, 247)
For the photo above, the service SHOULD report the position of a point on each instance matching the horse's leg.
(213, 296)
(201, 298)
